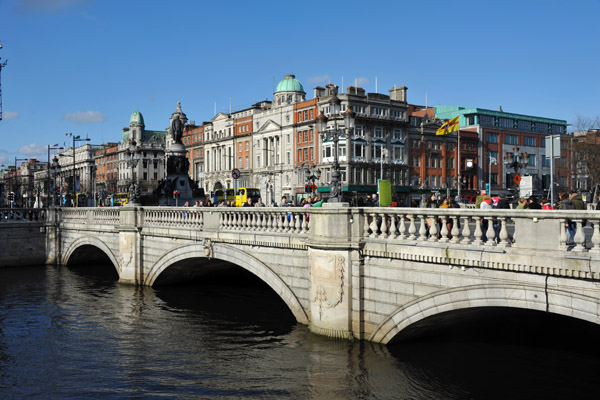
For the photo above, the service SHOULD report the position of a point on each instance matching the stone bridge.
(363, 273)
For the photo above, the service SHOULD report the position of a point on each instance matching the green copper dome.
(289, 84)
(136, 118)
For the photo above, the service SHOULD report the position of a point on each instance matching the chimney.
(319, 91)
(355, 90)
(398, 93)
(331, 89)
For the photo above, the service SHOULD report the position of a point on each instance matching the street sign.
(235, 173)
(526, 186)
(517, 179)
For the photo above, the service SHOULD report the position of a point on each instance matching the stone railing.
(22, 214)
(266, 219)
(190, 217)
(492, 228)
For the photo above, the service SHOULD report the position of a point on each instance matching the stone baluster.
(402, 228)
(286, 222)
(433, 229)
(478, 232)
(422, 228)
(366, 225)
(466, 232)
(595, 237)
(444, 231)
(412, 229)
(563, 234)
(579, 237)
(393, 229)
(455, 230)
(490, 233)
(383, 227)
(374, 225)
(503, 239)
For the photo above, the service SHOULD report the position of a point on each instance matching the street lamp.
(51, 147)
(334, 133)
(133, 151)
(55, 169)
(516, 160)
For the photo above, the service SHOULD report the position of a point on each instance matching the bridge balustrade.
(22, 214)
(266, 219)
(484, 227)
(174, 217)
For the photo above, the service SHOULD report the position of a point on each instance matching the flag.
(449, 126)
(68, 134)
(77, 137)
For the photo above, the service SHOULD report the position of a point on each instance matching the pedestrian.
(248, 203)
(567, 204)
(486, 204)
(431, 202)
(521, 203)
(533, 203)
(284, 202)
(260, 203)
(546, 205)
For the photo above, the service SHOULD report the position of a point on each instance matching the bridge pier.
(130, 247)
(333, 246)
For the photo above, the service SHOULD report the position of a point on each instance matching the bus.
(223, 194)
(120, 199)
(245, 193)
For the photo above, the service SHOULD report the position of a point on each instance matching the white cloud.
(319, 79)
(84, 117)
(33, 149)
(361, 81)
(4, 160)
(6, 115)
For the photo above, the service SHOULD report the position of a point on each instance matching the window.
(491, 137)
(494, 179)
(487, 120)
(378, 132)
(524, 125)
(512, 139)
(247, 165)
(528, 141)
(492, 155)
(506, 122)
(531, 160)
(359, 150)
(376, 151)
(415, 161)
(247, 143)
(359, 131)
(450, 163)
(563, 144)
(397, 134)
(240, 162)
(397, 154)
(541, 127)
(545, 161)
(288, 158)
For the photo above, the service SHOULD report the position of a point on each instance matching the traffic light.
(176, 194)
(307, 189)
(487, 188)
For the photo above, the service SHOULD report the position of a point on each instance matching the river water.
(75, 333)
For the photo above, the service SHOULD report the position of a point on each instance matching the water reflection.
(77, 333)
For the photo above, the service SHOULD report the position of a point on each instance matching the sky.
(83, 66)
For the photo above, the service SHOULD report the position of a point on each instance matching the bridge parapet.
(520, 240)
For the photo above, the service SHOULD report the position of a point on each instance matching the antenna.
(2, 65)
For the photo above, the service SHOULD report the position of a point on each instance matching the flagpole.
(459, 164)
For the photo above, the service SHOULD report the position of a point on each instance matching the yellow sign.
(385, 192)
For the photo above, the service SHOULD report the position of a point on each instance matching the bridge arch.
(90, 241)
(535, 298)
(240, 258)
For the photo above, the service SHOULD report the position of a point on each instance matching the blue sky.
(84, 66)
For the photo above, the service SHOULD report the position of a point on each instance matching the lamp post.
(55, 168)
(516, 160)
(51, 147)
(334, 133)
(384, 154)
(133, 152)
